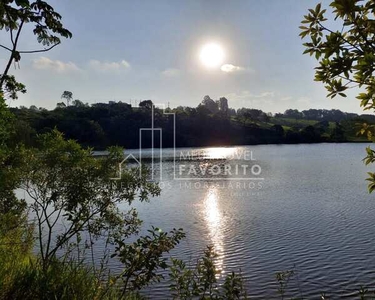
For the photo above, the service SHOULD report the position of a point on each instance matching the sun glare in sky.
(212, 55)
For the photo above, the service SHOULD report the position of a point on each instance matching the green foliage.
(206, 271)
(283, 279)
(28, 280)
(338, 133)
(347, 57)
(10, 162)
(201, 282)
(58, 281)
(6, 123)
(47, 27)
(16, 242)
(100, 125)
(66, 183)
(11, 86)
(182, 280)
(45, 20)
(142, 259)
(233, 287)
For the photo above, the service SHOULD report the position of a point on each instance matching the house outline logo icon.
(152, 129)
(128, 157)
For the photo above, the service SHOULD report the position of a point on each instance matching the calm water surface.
(311, 213)
(308, 211)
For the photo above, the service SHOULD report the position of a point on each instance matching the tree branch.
(18, 34)
(10, 27)
(38, 51)
(4, 75)
(348, 79)
(341, 37)
(6, 48)
(360, 31)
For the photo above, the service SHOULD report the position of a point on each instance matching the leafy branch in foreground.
(283, 279)
(142, 259)
(346, 57)
(10, 162)
(72, 194)
(200, 282)
(47, 27)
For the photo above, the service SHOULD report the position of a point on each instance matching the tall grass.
(61, 280)
(23, 277)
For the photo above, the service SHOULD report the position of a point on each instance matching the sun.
(212, 55)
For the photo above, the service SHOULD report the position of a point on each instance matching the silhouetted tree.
(147, 104)
(223, 105)
(60, 105)
(278, 129)
(210, 104)
(293, 113)
(322, 126)
(78, 103)
(338, 133)
(68, 96)
(310, 135)
(103, 124)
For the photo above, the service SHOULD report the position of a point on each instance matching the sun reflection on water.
(214, 221)
(219, 152)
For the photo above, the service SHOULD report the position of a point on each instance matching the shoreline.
(239, 145)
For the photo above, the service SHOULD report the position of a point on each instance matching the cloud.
(171, 72)
(265, 95)
(229, 68)
(250, 98)
(109, 66)
(44, 63)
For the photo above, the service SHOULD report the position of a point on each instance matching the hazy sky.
(149, 49)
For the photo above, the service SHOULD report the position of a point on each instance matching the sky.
(128, 51)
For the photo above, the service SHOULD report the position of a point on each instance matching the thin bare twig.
(38, 51)
(2, 46)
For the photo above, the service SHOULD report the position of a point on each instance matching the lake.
(297, 207)
(308, 211)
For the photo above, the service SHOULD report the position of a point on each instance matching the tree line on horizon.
(221, 105)
(211, 123)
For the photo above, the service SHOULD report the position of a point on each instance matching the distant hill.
(212, 123)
